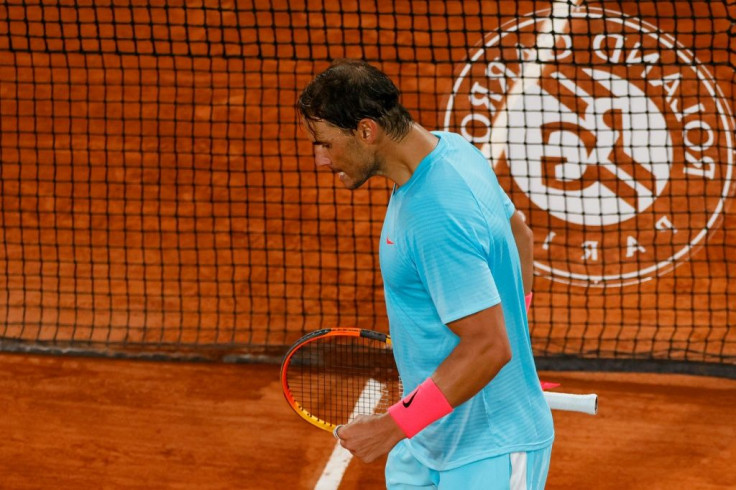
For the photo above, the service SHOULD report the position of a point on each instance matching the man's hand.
(369, 437)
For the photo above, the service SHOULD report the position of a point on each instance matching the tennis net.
(160, 198)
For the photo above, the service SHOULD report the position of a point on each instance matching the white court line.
(340, 458)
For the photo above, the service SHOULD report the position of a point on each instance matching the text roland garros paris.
(619, 150)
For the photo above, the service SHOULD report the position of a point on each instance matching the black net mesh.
(159, 195)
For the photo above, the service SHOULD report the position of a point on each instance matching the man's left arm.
(482, 351)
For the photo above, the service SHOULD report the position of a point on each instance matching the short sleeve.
(449, 243)
(508, 205)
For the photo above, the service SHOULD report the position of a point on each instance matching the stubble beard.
(366, 172)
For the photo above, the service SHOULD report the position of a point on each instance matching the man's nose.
(321, 158)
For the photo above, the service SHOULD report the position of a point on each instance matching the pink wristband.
(420, 408)
(528, 300)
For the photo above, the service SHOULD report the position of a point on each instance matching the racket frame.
(311, 337)
(557, 401)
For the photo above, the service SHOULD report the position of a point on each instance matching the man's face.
(343, 153)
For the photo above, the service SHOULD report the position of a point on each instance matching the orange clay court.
(164, 235)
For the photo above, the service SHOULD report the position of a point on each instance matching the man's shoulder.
(443, 187)
(456, 142)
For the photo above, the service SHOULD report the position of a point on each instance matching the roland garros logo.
(615, 141)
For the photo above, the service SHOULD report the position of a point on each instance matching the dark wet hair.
(351, 90)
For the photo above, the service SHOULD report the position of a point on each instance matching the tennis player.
(474, 415)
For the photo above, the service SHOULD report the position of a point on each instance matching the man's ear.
(367, 130)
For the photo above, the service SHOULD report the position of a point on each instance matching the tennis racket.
(330, 376)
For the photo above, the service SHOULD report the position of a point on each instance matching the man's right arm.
(524, 238)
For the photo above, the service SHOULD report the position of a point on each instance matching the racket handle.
(572, 403)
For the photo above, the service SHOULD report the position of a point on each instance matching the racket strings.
(337, 378)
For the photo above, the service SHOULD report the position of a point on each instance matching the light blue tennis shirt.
(446, 252)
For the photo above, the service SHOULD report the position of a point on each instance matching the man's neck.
(401, 158)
